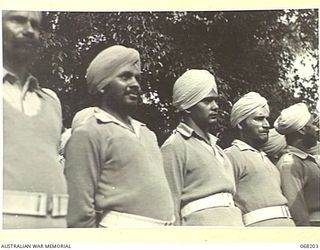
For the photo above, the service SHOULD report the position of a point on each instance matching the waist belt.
(118, 219)
(266, 214)
(314, 216)
(216, 200)
(35, 204)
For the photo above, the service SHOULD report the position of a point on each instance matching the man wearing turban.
(258, 186)
(199, 173)
(299, 170)
(113, 166)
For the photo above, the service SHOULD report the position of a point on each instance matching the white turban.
(246, 106)
(82, 117)
(276, 142)
(192, 87)
(292, 119)
(107, 64)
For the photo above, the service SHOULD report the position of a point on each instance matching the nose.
(214, 105)
(134, 85)
(266, 124)
(29, 30)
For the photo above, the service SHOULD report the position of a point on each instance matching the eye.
(35, 24)
(18, 19)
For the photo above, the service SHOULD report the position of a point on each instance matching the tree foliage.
(246, 51)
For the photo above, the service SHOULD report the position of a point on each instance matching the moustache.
(134, 91)
(27, 42)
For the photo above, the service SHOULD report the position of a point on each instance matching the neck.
(16, 66)
(121, 116)
(299, 144)
(203, 132)
(250, 142)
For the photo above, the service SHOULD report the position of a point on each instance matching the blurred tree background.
(261, 51)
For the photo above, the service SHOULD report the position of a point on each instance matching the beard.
(309, 140)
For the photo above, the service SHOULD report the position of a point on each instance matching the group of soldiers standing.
(115, 174)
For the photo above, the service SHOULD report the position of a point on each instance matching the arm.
(234, 158)
(292, 183)
(173, 166)
(82, 169)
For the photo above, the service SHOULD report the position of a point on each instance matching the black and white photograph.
(161, 119)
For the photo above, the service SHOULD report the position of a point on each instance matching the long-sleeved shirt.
(300, 176)
(26, 99)
(197, 168)
(111, 168)
(31, 151)
(257, 179)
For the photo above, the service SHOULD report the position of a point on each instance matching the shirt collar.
(106, 117)
(31, 83)
(188, 132)
(299, 153)
(245, 146)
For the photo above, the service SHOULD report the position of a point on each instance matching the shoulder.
(51, 94)
(231, 151)
(175, 140)
(90, 129)
(287, 160)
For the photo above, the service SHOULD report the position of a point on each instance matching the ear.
(239, 127)
(187, 111)
(301, 131)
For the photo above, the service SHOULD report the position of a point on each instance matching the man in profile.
(299, 170)
(199, 173)
(258, 186)
(35, 191)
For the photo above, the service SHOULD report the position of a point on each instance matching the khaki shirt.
(300, 176)
(257, 179)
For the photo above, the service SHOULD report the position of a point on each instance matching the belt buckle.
(285, 211)
(60, 205)
(42, 207)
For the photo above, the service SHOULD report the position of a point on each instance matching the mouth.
(133, 96)
(213, 116)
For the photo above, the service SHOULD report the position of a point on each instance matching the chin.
(131, 107)
(264, 139)
(213, 121)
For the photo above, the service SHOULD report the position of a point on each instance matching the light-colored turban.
(192, 87)
(82, 117)
(292, 119)
(246, 106)
(275, 144)
(108, 63)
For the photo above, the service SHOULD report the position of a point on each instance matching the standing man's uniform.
(199, 173)
(35, 191)
(300, 171)
(114, 166)
(258, 186)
